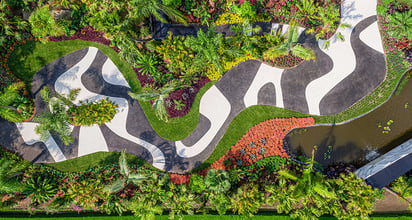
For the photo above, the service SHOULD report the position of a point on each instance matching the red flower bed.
(262, 140)
(288, 61)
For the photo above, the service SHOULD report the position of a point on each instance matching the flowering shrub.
(271, 131)
(288, 61)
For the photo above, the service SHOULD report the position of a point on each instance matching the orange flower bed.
(262, 140)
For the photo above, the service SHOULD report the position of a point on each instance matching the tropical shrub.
(158, 96)
(85, 193)
(180, 200)
(43, 24)
(197, 183)
(246, 10)
(11, 25)
(40, 189)
(217, 181)
(247, 200)
(9, 169)
(55, 120)
(403, 186)
(89, 113)
(9, 97)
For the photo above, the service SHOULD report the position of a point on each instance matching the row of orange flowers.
(262, 140)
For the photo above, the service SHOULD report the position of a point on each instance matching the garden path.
(337, 79)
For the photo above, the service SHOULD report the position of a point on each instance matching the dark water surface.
(360, 140)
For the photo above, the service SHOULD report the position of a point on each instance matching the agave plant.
(127, 177)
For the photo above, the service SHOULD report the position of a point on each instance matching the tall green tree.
(290, 46)
(158, 95)
(7, 98)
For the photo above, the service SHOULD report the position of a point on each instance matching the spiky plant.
(10, 94)
(401, 24)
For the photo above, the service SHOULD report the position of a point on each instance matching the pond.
(361, 140)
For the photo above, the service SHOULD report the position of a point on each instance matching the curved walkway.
(337, 79)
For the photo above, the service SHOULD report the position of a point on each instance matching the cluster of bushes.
(147, 192)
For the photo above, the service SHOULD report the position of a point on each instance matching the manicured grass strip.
(97, 159)
(242, 123)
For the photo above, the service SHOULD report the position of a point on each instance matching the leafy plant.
(206, 45)
(246, 10)
(202, 12)
(40, 189)
(128, 177)
(220, 202)
(197, 183)
(9, 170)
(247, 200)
(9, 96)
(55, 120)
(89, 113)
(180, 201)
(86, 193)
(43, 24)
(11, 25)
(290, 46)
(178, 104)
(158, 96)
(401, 24)
(217, 181)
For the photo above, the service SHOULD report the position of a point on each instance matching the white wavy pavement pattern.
(342, 54)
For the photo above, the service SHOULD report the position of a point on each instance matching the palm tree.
(55, 120)
(7, 98)
(158, 95)
(401, 24)
(8, 170)
(128, 177)
(144, 8)
(290, 46)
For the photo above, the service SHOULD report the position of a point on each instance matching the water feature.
(361, 140)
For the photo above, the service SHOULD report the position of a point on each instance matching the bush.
(43, 24)
(89, 113)
(197, 183)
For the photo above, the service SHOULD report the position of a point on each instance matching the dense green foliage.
(89, 113)
(9, 96)
(43, 24)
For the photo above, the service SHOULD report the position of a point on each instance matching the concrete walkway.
(337, 79)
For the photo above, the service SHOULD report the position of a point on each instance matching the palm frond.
(10, 114)
(302, 52)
